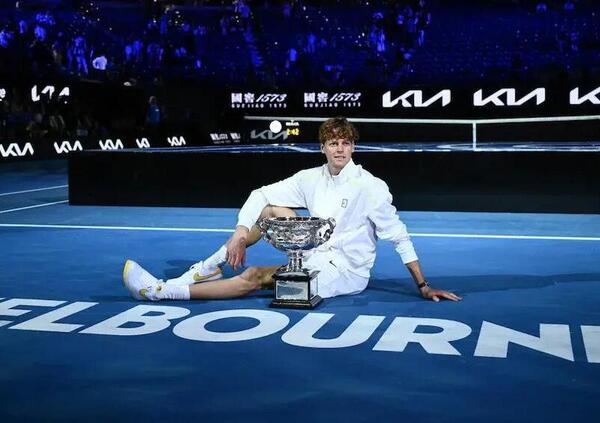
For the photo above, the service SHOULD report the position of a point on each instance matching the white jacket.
(360, 203)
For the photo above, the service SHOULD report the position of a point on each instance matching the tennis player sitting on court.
(360, 203)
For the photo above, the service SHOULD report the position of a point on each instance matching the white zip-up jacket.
(360, 203)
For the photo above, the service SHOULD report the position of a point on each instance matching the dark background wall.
(536, 182)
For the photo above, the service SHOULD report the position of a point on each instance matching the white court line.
(457, 121)
(112, 228)
(32, 190)
(370, 147)
(33, 207)
(300, 149)
(149, 228)
(543, 237)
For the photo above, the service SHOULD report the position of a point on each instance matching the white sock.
(217, 259)
(173, 292)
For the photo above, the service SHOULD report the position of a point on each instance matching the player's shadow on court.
(178, 267)
(464, 285)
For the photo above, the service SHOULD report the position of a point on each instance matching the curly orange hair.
(335, 128)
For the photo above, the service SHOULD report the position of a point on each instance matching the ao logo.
(592, 97)
(110, 145)
(267, 135)
(14, 150)
(66, 147)
(510, 96)
(142, 143)
(49, 90)
(417, 95)
(176, 142)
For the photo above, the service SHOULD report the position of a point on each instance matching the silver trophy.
(295, 286)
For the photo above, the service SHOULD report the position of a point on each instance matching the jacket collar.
(349, 171)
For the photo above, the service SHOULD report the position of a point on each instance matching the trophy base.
(297, 304)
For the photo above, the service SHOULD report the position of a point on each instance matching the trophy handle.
(264, 229)
(330, 223)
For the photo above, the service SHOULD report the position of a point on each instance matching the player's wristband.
(422, 285)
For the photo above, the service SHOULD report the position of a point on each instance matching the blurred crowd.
(230, 42)
(276, 44)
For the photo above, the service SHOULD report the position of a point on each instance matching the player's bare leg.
(143, 286)
(250, 280)
(210, 268)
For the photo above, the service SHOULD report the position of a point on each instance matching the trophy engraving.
(295, 286)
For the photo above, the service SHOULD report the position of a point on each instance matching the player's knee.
(283, 212)
(276, 211)
(251, 273)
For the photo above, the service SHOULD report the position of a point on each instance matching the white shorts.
(332, 280)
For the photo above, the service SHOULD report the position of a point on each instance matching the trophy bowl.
(295, 286)
(296, 233)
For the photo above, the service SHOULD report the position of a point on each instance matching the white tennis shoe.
(197, 273)
(141, 284)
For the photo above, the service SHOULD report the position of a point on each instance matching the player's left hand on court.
(436, 295)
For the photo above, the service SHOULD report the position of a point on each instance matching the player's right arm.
(285, 193)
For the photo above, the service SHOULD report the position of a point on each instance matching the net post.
(474, 140)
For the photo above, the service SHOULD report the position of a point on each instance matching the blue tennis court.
(524, 344)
